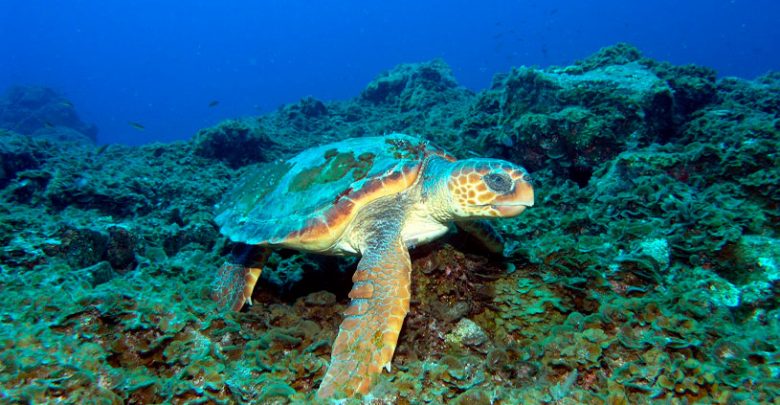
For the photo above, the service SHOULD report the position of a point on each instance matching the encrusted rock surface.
(43, 113)
(646, 271)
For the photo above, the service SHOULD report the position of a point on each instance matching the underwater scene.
(544, 215)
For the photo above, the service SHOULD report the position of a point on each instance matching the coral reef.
(647, 272)
(43, 113)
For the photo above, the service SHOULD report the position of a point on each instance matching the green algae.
(336, 166)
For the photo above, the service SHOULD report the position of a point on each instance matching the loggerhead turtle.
(375, 197)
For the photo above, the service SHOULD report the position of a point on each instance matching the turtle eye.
(498, 182)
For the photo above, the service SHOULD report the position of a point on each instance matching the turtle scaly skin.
(375, 197)
(380, 300)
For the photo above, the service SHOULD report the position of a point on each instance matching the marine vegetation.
(646, 272)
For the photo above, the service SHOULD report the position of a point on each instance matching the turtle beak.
(516, 201)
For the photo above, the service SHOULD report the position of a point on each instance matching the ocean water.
(538, 202)
(162, 63)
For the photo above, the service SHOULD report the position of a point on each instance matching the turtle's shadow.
(290, 275)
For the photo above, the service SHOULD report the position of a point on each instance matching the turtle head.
(485, 188)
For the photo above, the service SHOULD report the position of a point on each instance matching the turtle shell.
(307, 202)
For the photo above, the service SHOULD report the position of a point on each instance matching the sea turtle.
(375, 197)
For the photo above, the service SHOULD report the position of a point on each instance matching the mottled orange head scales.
(484, 188)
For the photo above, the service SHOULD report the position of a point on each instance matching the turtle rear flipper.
(236, 278)
(369, 333)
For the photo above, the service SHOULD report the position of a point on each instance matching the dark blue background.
(160, 63)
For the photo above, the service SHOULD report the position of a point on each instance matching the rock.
(30, 109)
(450, 313)
(308, 115)
(115, 195)
(61, 133)
(466, 333)
(309, 107)
(121, 248)
(235, 142)
(320, 298)
(658, 250)
(618, 54)
(411, 86)
(572, 120)
(80, 247)
(200, 235)
(760, 254)
(99, 273)
(760, 94)
(18, 153)
(30, 185)
(694, 87)
(723, 293)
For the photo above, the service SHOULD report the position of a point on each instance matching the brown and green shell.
(307, 201)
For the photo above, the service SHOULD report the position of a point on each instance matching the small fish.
(214, 103)
(66, 103)
(101, 149)
(136, 125)
(48, 124)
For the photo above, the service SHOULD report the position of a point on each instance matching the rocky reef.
(648, 271)
(41, 112)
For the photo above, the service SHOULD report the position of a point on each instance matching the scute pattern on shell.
(309, 205)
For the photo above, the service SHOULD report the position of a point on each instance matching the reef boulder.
(41, 111)
(411, 86)
(572, 119)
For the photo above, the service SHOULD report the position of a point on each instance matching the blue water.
(161, 63)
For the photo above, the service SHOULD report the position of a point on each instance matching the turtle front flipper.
(236, 278)
(368, 335)
(485, 233)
